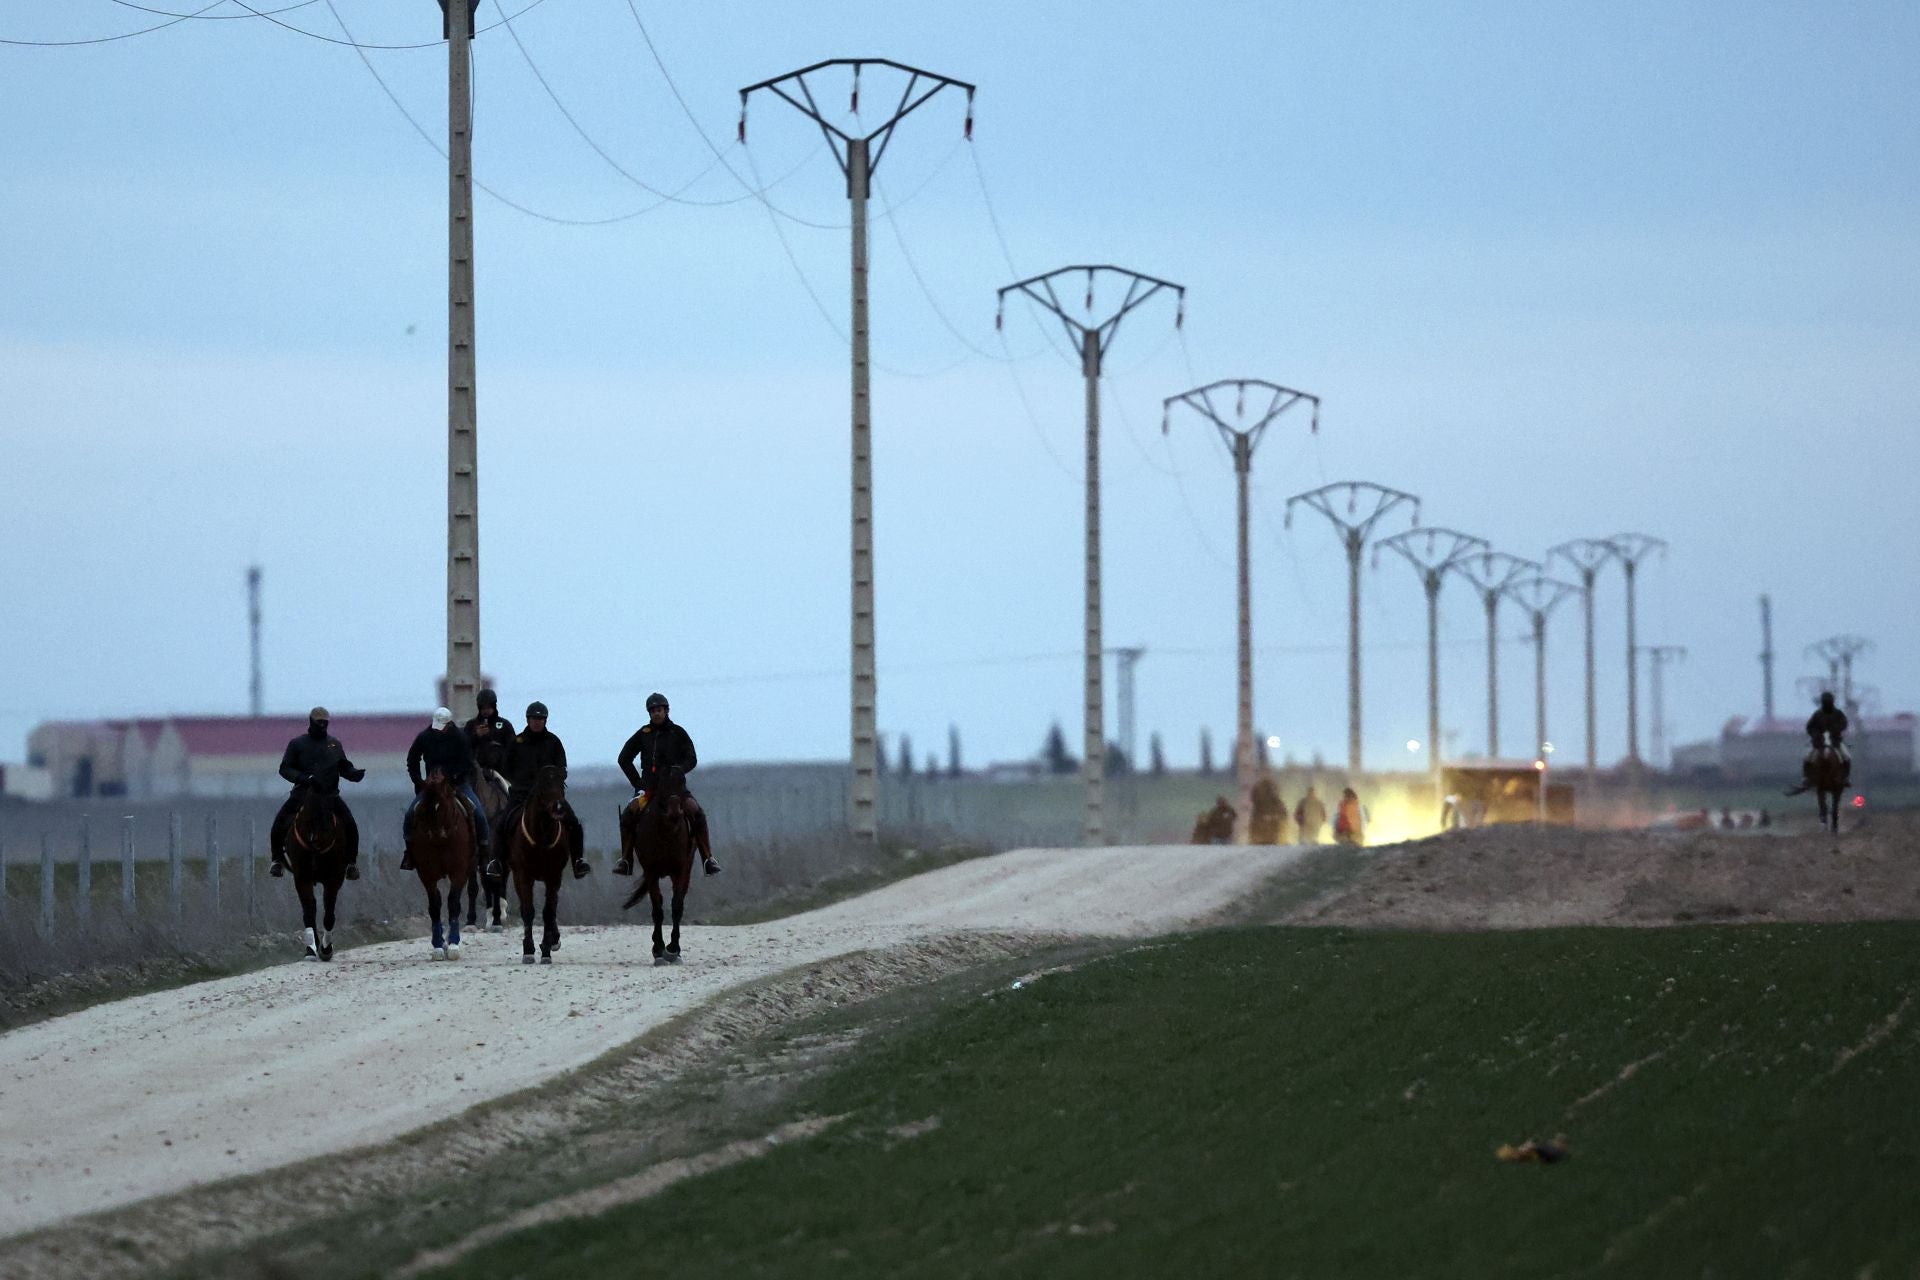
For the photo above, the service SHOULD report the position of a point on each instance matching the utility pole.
(463, 452)
(255, 699)
(1766, 657)
(1241, 438)
(858, 157)
(1840, 651)
(1658, 656)
(1366, 506)
(1125, 657)
(1538, 597)
(1491, 573)
(1589, 556)
(1432, 552)
(1632, 548)
(1094, 339)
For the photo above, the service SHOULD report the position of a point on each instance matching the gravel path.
(162, 1092)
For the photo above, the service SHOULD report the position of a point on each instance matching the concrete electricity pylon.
(1766, 657)
(1632, 548)
(1431, 552)
(1538, 597)
(1242, 436)
(1094, 338)
(463, 417)
(1658, 656)
(1491, 573)
(255, 700)
(858, 158)
(1589, 556)
(1366, 506)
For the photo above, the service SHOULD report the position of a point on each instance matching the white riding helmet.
(442, 717)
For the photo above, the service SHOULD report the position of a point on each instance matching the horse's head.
(671, 791)
(438, 791)
(549, 792)
(315, 816)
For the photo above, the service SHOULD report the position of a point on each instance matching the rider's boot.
(580, 867)
(353, 871)
(279, 865)
(406, 844)
(705, 844)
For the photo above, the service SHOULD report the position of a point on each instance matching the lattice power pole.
(1839, 652)
(1241, 436)
(1094, 338)
(463, 416)
(858, 158)
(1589, 556)
(1658, 656)
(1538, 597)
(1632, 548)
(1491, 573)
(1367, 504)
(1432, 552)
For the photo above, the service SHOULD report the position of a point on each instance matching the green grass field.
(1319, 1103)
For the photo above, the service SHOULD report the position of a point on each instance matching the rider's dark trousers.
(277, 834)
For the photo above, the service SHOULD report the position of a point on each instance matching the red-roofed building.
(210, 755)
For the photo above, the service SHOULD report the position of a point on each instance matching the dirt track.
(154, 1094)
(1521, 877)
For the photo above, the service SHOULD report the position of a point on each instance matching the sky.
(1561, 270)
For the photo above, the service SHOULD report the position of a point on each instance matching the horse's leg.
(680, 879)
(659, 916)
(433, 912)
(304, 887)
(523, 889)
(550, 920)
(455, 882)
(326, 923)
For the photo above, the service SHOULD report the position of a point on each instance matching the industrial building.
(208, 755)
(1882, 746)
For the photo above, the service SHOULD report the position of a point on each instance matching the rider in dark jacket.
(1827, 722)
(441, 747)
(532, 750)
(315, 761)
(489, 736)
(661, 744)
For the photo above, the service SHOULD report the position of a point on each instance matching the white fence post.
(46, 883)
(173, 865)
(213, 865)
(83, 874)
(126, 865)
(247, 871)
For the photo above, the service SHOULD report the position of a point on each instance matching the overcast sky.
(1562, 270)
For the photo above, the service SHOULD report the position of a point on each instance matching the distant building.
(1881, 745)
(208, 755)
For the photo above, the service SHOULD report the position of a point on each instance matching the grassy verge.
(1301, 1102)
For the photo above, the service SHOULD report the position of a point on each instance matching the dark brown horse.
(1829, 775)
(440, 840)
(538, 850)
(659, 841)
(320, 843)
(492, 792)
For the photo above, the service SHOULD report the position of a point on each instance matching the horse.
(1828, 776)
(658, 839)
(492, 792)
(319, 845)
(440, 840)
(538, 849)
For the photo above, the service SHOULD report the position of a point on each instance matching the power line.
(358, 44)
(204, 16)
(125, 35)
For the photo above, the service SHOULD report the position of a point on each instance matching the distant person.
(315, 761)
(1310, 816)
(1827, 724)
(1726, 819)
(441, 746)
(1350, 820)
(488, 734)
(1215, 825)
(1269, 817)
(660, 744)
(1766, 819)
(535, 748)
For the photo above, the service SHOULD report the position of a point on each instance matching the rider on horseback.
(1828, 724)
(441, 747)
(315, 762)
(532, 750)
(661, 744)
(488, 735)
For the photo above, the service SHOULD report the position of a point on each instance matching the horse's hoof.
(453, 951)
(660, 960)
(554, 945)
(546, 959)
(496, 928)
(312, 954)
(673, 957)
(526, 959)
(326, 953)
(438, 953)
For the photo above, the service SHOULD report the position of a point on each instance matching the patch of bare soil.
(1522, 877)
(508, 1156)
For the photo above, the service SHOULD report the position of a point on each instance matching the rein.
(559, 830)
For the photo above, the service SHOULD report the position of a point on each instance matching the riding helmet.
(488, 698)
(536, 710)
(656, 700)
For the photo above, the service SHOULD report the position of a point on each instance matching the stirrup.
(406, 860)
(353, 871)
(278, 867)
(496, 867)
(580, 868)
